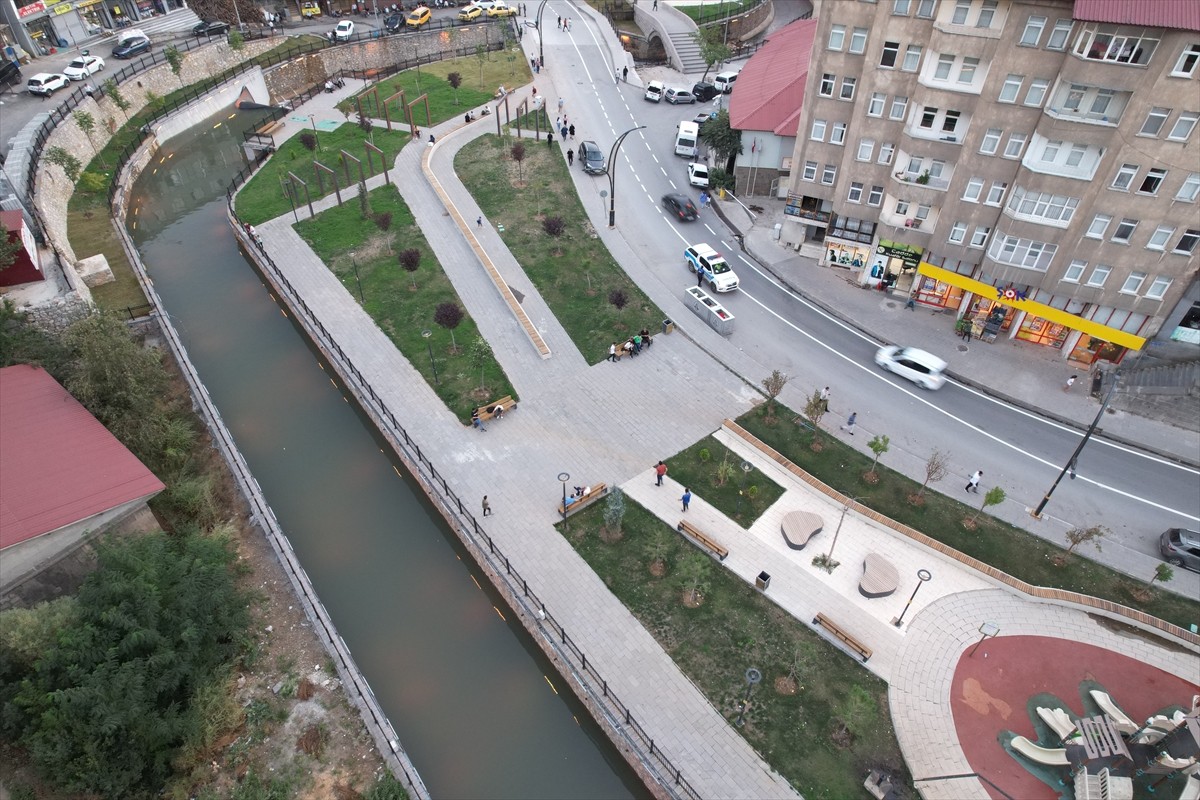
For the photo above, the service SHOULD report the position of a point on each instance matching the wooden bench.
(597, 491)
(863, 652)
(487, 412)
(270, 128)
(879, 577)
(702, 539)
(799, 527)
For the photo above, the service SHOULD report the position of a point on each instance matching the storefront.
(894, 266)
(848, 242)
(930, 291)
(53, 25)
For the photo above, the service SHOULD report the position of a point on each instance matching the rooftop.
(770, 89)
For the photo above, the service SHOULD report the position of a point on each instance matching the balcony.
(1092, 105)
(808, 208)
(940, 182)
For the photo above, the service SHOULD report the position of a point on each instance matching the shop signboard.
(911, 256)
(31, 9)
(62, 8)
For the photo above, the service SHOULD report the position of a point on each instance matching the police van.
(702, 259)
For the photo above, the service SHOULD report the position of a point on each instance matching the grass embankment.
(714, 472)
(1004, 546)
(573, 272)
(479, 80)
(403, 303)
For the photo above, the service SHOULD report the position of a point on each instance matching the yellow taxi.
(419, 16)
(471, 12)
(310, 9)
(501, 10)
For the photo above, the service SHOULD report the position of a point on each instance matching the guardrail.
(484, 549)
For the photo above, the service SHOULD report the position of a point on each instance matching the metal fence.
(604, 700)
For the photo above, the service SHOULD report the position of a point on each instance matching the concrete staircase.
(1166, 392)
(688, 51)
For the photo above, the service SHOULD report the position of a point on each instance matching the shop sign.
(1010, 294)
(907, 253)
(88, 3)
(31, 9)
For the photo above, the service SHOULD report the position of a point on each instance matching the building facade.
(1030, 165)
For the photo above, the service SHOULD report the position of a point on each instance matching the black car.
(133, 46)
(704, 91)
(680, 207)
(210, 28)
(10, 73)
(393, 23)
(591, 158)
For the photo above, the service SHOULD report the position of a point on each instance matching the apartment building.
(1032, 165)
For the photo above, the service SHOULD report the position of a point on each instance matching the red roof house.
(62, 474)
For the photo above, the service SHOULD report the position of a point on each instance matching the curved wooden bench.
(1042, 755)
(799, 527)
(880, 577)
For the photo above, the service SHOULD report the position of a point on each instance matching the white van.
(687, 140)
(654, 91)
(724, 81)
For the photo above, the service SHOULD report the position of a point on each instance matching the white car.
(46, 83)
(698, 174)
(83, 66)
(708, 262)
(343, 31)
(918, 366)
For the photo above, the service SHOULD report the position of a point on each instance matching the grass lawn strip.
(432, 81)
(573, 272)
(818, 717)
(343, 240)
(995, 542)
(714, 472)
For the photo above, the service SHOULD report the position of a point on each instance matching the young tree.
(994, 497)
(879, 446)
(365, 125)
(693, 575)
(87, 124)
(410, 259)
(480, 355)
(455, 81)
(449, 315)
(8, 255)
(518, 155)
(1078, 536)
(1161, 573)
(618, 298)
(481, 53)
(175, 59)
(935, 469)
(814, 409)
(614, 511)
(857, 710)
(713, 49)
(724, 141)
(70, 164)
(658, 547)
(773, 385)
(114, 93)
(364, 200)
(236, 41)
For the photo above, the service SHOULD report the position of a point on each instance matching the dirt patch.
(692, 599)
(786, 685)
(658, 568)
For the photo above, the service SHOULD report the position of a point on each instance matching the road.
(1135, 494)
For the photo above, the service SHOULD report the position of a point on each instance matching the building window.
(858, 41)
(1154, 121)
(1099, 275)
(1114, 44)
(1033, 31)
(829, 175)
(875, 107)
(925, 8)
(1160, 237)
(837, 37)
(1037, 92)
(1099, 225)
(827, 81)
(1011, 88)
(961, 9)
(912, 58)
(1153, 181)
(979, 236)
(847, 92)
(927, 117)
(1050, 151)
(1014, 146)
(1042, 206)
(1124, 231)
(995, 194)
(974, 190)
(1059, 36)
(1074, 271)
(942, 71)
(966, 73)
(1181, 131)
(1190, 188)
(886, 151)
(810, 171)
(991, 140)
(890, 52)
(875, 196)
(957, 233)
(1133, 283)
(902, 207)
(1124, 177)
(1185, 67)
(1158, 288)
(901, 8)
(986, 14)
(899, 108)
(1187, 242)
(855, 195)
(818, 130)
(866, 149)
(837, 134)
(1024, 253)
(1076, 155)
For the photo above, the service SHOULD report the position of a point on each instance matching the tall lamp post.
(1074, 460)
(922, 576)
(537, 25)
(425, 334)
(312, 119)
(354, 263)
(742, 490)
(564, 477)
(753, 676)
(612, 175)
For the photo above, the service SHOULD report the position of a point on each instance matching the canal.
(472, 698)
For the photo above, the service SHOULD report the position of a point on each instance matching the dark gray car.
(1181, 547)
(591, 158)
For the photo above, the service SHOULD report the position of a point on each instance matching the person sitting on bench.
(497, 411)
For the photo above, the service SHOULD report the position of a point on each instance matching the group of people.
(632, 346)
(497, 412)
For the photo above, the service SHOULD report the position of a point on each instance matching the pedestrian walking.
(660, 470)
(655, 7)
(612, 352)
(625, 74)
(562, 133)
(549, 138)
(825, 399)
(687, 498)
(1070, 382)
(571, 130)
(487, 509)
(567, 24)
(973, 481)
(557, 123)
(533, 66)
(616, 79)
(699, 277)
(560, 23)
(560, 105)
(851, 423)
(570, 157)
(479, 222)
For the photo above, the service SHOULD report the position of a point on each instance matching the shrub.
(554, 226)
(618, 298)
(309, 140)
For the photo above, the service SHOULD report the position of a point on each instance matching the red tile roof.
(770, 88)
(1181, 15)
(58, 464)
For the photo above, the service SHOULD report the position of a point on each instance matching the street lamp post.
(612, 176)
(537, 24)
(742, 490)
(425, 334)
(1073, 462)
(312, 119)
(354, 263)
(753, 676)
(564, 477)
(922, 576)
(987, 630)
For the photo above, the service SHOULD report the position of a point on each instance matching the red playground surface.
(990, 692)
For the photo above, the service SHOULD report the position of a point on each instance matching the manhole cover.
(962, 348)
(890, 304)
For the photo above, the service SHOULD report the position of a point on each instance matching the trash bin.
(762, 581)
(668, 326)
